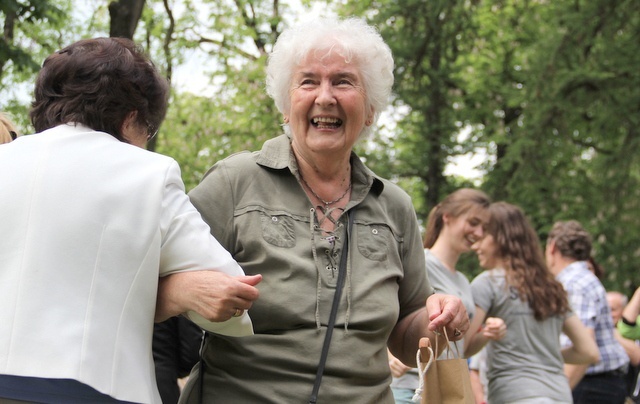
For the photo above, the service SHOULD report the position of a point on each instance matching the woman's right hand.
(214, 295)
(494, 328)
(397, 368)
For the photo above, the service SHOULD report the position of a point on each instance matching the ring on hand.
(238, 313)
(456, 332)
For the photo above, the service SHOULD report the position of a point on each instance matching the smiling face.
(328, 105)
(487, 251)
(463, 231)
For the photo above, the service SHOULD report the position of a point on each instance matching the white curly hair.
(352, 38)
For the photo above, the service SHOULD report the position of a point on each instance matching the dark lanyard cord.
(342, 272)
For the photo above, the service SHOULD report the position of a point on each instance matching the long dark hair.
(519, 247)
(97, 83)
(454, 205)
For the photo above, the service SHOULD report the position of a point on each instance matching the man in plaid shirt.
(567, 250)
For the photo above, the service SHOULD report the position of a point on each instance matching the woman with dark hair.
(526, 366)
(106, 84)
(94, 223)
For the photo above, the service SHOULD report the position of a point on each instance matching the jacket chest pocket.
(374, 241)
(278, 230)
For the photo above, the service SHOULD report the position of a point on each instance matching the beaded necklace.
(326, 203)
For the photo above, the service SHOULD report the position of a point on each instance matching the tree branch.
(222, 43)
(168, 39)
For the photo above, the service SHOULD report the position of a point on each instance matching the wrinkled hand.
(397, 367)
(214, 295)
(447, 311)
(494, 328)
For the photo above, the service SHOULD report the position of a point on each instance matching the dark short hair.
(98, 82)
(571, 239)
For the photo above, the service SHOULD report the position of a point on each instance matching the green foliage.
(31, 31)
(549, 89)
(239, 115)
(199, 131)
(566, 121)
(427, 39)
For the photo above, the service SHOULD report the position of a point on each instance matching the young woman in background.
(452, 227)
(527, 365)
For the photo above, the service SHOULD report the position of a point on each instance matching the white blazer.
(88, 224)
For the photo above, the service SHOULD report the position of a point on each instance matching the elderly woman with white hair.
(337, 245)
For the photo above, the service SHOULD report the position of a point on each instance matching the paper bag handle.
(423, 350)
(449, 352)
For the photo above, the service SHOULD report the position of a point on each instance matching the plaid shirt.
(588, 300)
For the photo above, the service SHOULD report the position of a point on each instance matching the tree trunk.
(7, 38)
(125, 15)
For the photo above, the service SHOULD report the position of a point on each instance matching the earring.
(368, 122)
(286, 119)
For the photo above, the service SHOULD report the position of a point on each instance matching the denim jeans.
(402, 395)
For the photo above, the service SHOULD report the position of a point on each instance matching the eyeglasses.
(151, 132)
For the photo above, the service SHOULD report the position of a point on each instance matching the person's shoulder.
(394, 191)
(394, 199)
(574, 272)
(146, 157)
(234, 168)
(240, 162)
(483, 283)
(484, 275)
(387, 192)
(586, 279)
(433, 263)
(585, 285)
(490, 276)
(241, 158)
(272, 150)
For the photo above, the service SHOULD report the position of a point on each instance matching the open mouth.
(326, 122)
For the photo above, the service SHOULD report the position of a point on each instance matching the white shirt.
(89, 223)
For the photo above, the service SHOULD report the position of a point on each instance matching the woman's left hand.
(447, 311)
(494, 328)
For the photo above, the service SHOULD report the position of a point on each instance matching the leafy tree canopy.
(548, 90)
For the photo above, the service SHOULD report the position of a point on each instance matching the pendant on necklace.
(326, 203)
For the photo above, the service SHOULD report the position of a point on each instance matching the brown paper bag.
(443, 381)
